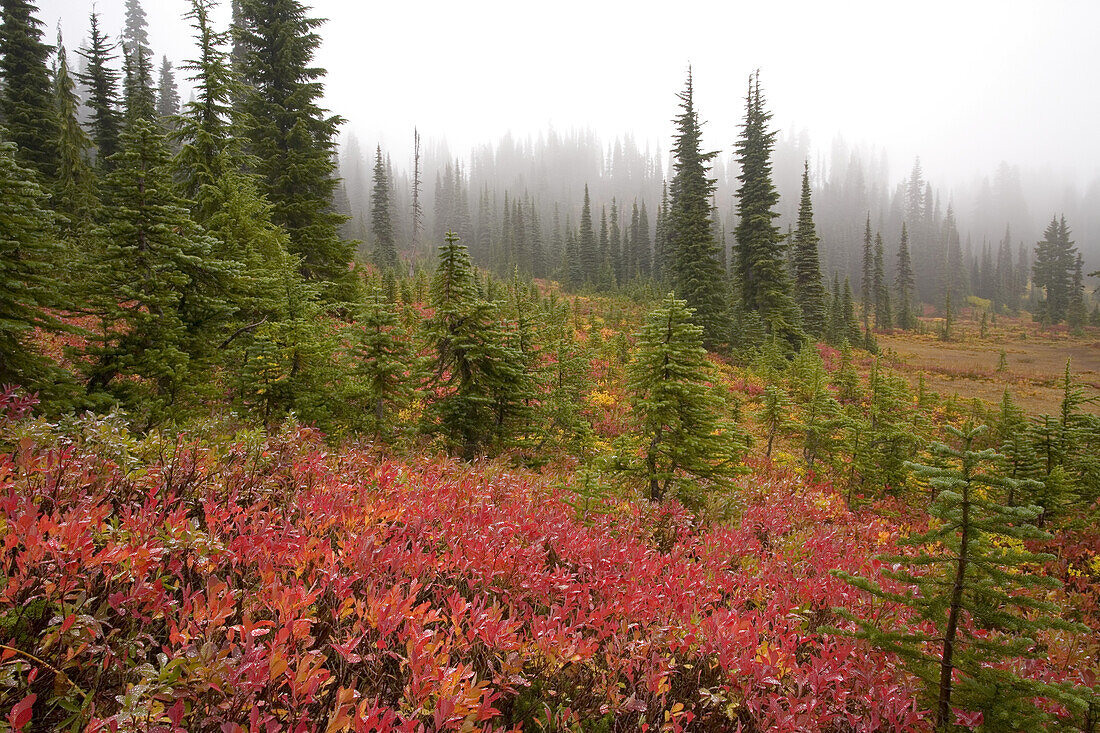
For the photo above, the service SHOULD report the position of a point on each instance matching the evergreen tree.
(761, 262)
(695, 271)
(292, 138)
(586, 243)
(135, 32)
(677, 409)
(904, 282)
(30, 258)
(160, 286)
(867, 277)
(884, 315)
(809, 292)
(1076, 315)
(820, 416)
(168, 98)
(74, 188)
(383, 361)
(969, 581)
(101, 80)
(26, 96)
(384, 250)
(773, 415)
(139, 96)
(849, 325)
(209, 148)
(474, 371)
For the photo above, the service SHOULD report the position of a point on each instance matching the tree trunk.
(943, 712)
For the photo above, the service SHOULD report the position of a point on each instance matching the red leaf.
(21, 712)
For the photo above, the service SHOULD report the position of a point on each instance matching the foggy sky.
(964, 85)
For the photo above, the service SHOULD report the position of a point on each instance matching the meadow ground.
(969, 365)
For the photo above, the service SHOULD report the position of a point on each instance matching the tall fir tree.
(586, 242)
(160, 287)
(168, 96)
(809, 291)
(761, 260)
(867, 277)
(904, 282)
(292, 138)
(695, 271)
(26, 95)
(101, 80)
(74, 186)
(884, 313)
(384, 246)
(30, 261)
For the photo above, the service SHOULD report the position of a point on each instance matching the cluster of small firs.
(176, 264)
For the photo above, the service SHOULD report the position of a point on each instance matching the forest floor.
(967, 365)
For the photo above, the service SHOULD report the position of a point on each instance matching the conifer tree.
(168, 97)
(139, 96)
(586, 243)
(820, 416)
(473, 367)
(884, 314)
(383, 361)
(849, 325)
(292, 138)
(135, 31)
(101, 80)
(969, 580)
(678, 412)
(209, 148)
(773, 415)
(693, 258)
(30, 259)
(904, 282)
(761, 262)
(74, 187)
(160, 288)
(27, 107)
(809, 292)
(867, 277)
(384, 250)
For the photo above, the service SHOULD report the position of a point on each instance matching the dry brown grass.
(967, 365)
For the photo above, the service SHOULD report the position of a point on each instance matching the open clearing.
(1035, 361)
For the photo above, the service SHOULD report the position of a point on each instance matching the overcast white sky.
(963, 84)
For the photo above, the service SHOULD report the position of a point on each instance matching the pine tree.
(384, 250)
(586, 243)
(642, 245)
(849, 325)
(30, 259)
(168, 98)
(884, 315)
(809, 292)
(74, 188)
(135, 32)
(101, 79)
(669, 381)
(475, 373)
(292, 138)
(820, 416)
(761, 262)
(160, 288)
(139, 96)
(969, 580)
(1076, 315)
(26, 96)
(694, 267)
(867, 278)
(383, 361)
(904, 282)
(773, 415)
(209, 148)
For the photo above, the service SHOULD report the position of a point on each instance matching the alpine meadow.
(494, 368)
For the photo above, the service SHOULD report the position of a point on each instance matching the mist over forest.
(356, 376)
(548, 171)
